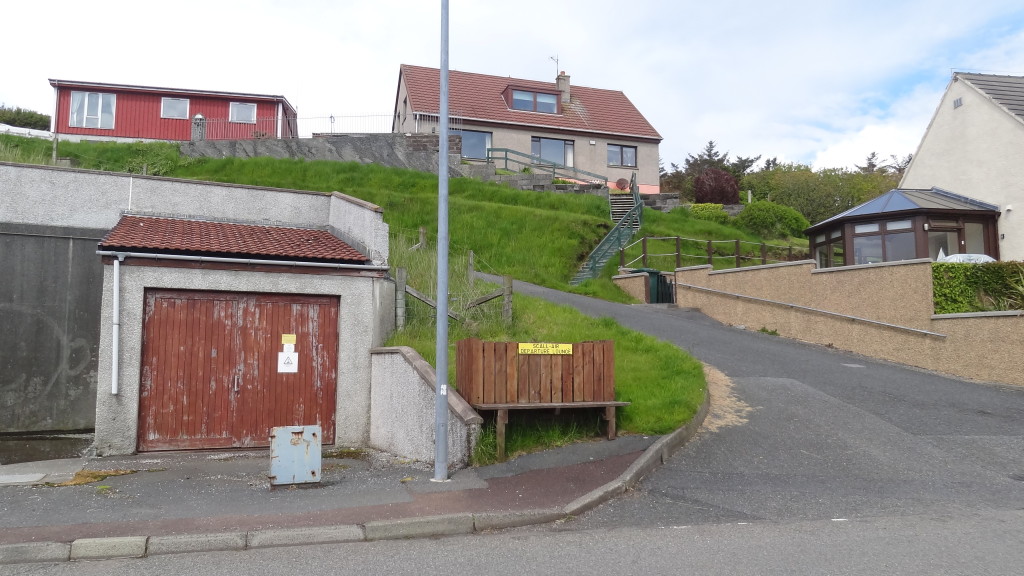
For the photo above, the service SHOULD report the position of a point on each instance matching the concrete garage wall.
(982, 346)
(49, 311)
(117, 417)
(402, 409)
(50, 222)
(45, 195)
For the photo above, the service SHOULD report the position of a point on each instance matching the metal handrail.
(816, 310)
(623, 230)
(557, 170)
(634, 188)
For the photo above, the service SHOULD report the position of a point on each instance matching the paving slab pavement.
(176, 502)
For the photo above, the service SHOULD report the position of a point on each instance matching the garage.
(219, 331)
(220, 369)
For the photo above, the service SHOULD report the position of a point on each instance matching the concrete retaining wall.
(411, 151)
(636, 285)
(45, 195)
(49, 308)
(982, 346)
(402, 409)
(51, 220)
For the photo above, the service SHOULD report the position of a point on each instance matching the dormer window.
(534, 101)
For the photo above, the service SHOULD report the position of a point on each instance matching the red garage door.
(213, 373)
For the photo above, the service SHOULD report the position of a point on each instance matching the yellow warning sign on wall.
(545, 348)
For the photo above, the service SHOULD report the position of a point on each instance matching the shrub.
(24, 118)
(771, 220)
(959, 288)
(710, 212)
(718, 186)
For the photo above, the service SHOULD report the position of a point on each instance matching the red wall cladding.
(137, 115)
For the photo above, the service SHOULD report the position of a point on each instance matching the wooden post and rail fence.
(505, 376)
(402, 290)
(709, 251)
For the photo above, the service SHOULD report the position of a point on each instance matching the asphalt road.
(841, 465)
(829, 435)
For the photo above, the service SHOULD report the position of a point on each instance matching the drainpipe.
(116, 345)
(53, 122)
(280, 115)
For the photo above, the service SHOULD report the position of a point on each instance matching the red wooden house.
(99, 111)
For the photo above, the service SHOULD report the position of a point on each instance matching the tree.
(674, 181)
(716, 186)
(24, 118)
(694, 166)
(870, 164)
(899, 165)
(818, 195)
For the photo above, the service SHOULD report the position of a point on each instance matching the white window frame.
(487, 141)
(163, 108)
(233, 116)
(82, 119)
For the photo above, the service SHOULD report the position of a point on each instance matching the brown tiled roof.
(479, 97)
(198, 237)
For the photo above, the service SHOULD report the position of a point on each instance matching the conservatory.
(904, 224)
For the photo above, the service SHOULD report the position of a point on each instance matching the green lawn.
(533, 236)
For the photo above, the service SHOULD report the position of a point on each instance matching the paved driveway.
(821, 434)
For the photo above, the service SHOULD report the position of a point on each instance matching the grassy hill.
(533, 236)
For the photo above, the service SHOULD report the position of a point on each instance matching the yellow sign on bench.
(545, 348)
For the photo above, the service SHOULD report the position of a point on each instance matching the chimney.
(562, 82)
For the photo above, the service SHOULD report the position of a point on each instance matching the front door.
(213, 372)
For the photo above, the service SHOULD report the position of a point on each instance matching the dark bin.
(660, 289)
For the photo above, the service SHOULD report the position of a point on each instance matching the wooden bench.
(495, 376)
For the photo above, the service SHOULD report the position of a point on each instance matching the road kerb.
(305, 535)
(102, 548)
(182, 543)
(443, 525)
(34, 552)
(498, 520)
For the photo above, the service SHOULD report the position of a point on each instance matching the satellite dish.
(622, 183)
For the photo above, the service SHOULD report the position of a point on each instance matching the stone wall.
(635, 284)
(410, 151)
(879, 310)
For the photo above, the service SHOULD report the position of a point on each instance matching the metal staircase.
(620, 205)
(626, 212)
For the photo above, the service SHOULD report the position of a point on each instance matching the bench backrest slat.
(495, 373)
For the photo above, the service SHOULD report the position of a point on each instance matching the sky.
(816, 82)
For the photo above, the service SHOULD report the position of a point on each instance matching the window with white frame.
(474, 143)
(92, 110)
(553, 150)
(243, 113)
(174, 108)
(621, 155)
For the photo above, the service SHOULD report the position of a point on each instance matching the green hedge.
(710, 212)
(960, 288)
(771, 220)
